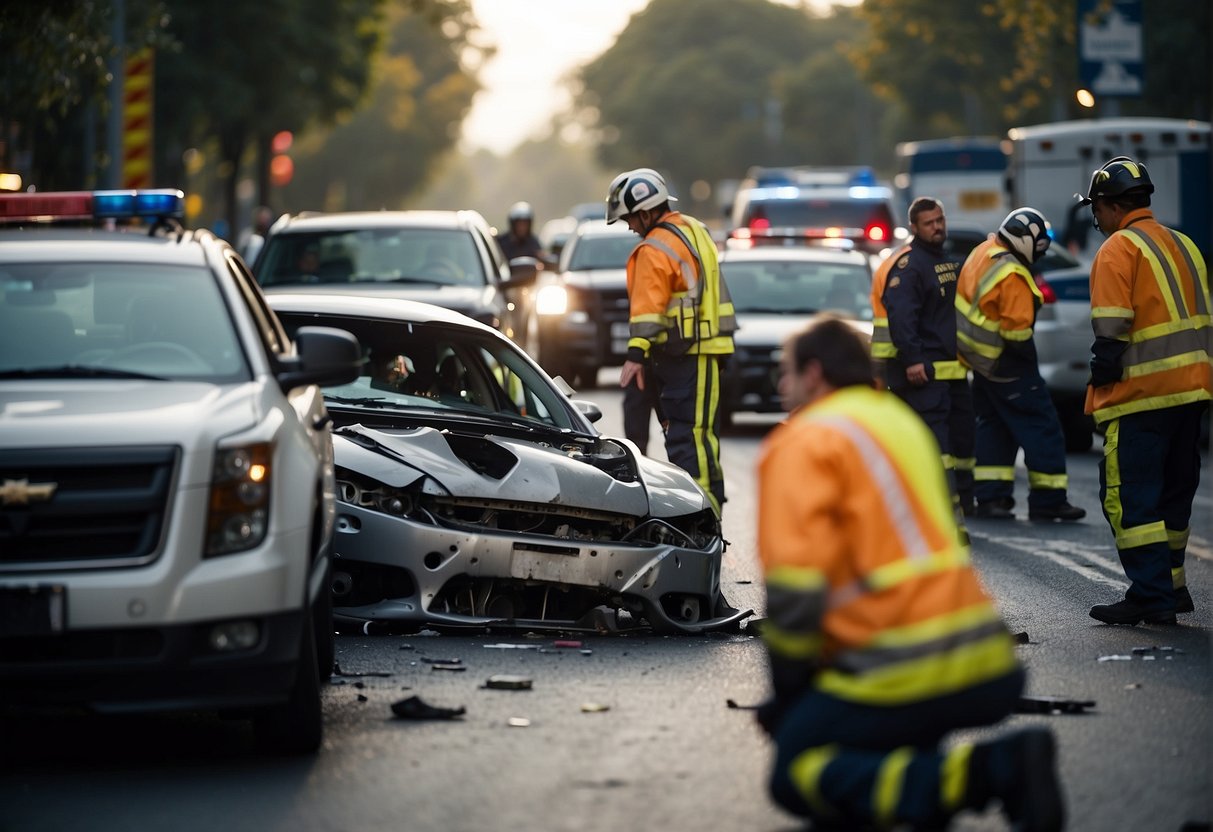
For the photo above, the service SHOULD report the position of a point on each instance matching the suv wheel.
(296, 726)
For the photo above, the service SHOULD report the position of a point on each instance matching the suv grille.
(107, 507)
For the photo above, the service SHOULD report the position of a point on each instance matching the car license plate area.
(546, 566)
(33, 610)
(978, 200)
(620, 332)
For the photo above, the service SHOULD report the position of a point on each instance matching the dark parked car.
(583, 310)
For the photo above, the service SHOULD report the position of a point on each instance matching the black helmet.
(1116, 178)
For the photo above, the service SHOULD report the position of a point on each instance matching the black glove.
(769, 715)
(1105, 361)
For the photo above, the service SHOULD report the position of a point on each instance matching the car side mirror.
(323, 356)
(588, 409)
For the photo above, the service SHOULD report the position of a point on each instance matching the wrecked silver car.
(474, 493)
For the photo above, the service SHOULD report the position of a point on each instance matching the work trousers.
(638, 407)
(1147, 479)
(689, 397)
(1013, 415)
(947, 408)
(852, 766)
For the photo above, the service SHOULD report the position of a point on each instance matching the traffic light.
(282, 167)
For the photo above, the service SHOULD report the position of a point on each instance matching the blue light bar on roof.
(154, 204)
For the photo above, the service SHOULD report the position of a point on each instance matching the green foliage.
(388, 150)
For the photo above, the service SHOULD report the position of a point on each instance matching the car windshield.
(445, 368)
(820, 212)
(605, 251)
(116, 319)
(798, 287)
(436, 256)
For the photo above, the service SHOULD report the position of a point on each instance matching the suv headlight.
(239, 514)
(552, 299)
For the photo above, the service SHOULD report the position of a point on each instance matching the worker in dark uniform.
(996, 303)
(681, 322)
(919, 298)
(1151, 382)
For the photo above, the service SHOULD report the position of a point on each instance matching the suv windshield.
(437, 256)
(97, 319)
(608, 251)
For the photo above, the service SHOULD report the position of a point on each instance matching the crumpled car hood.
(514, 469)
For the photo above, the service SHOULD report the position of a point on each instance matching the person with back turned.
(880, 638)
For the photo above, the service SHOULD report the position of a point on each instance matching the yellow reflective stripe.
(1111, 321)
(1111, 312)
(805, 773)
(791, 645)
(1038, 480)
(643, 344)
(653, 318)
(1179, 578)
(883, 350)
(900, 571)
(1152, 403)
(988, 348)
(704, 436)
(799, 578)
(994, 473)
(1196, 268)
(1135, 536)
(949, 370)
(1177, 540)
(949, 462)
(937, 627)
(935, 675)
(1017, 334)
(1169, 328)
(890, 778)
(1163, 364)
(1165, 273)
(965, 463)
(954, 776)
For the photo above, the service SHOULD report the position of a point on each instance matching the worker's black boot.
(1129, 613)
(1183, 600)
(1020, 770)
(1063, 511)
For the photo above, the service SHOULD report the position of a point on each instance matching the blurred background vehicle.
(583, 310)
(776, 293)
(1063, 329)
(448, 258)
(805, 205)
(966, 173)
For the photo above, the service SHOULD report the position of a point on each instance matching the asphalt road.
(667, 753)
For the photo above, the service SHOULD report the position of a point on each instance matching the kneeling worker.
(880, 637)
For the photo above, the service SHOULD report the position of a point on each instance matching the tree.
(241, 72)
(388, 150)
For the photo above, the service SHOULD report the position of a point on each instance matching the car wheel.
(322, 626)
(297, 725)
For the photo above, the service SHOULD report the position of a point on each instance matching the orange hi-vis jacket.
(882, 342)
(866, 579)
(676, 296)
(996, 302)
(1150, 290)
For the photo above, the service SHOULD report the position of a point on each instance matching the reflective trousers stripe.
(1126, 538)
(890, 778)
(805, 773)
(1179, 578)
(954, 776)
(1058, 482)
(994, 473)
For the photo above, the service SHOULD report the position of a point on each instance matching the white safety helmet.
(520, 211)
(636, 190)
(1026, 231)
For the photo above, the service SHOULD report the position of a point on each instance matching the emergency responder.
(882, 343)
(919, 298)
(880, 637)
(996, 303)
(681, 322)
(518, 240)
(1151, 382)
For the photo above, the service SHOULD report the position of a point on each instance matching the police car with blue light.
(166, 483)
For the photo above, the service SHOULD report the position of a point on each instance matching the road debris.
(1118, 657)
(507, 646)
(505, 682)
(416, 708)
(448, 666)
(594, 707)
(354, 674)
(587, 652)
(432, 660)
(1021, 638)
(1133, 686)
(518, 722)
(361, 697)
(567, 643)
(732, 703)
(1052, 705)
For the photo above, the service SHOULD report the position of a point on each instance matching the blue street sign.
(1110, 47)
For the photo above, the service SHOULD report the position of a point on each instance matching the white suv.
(166, 484)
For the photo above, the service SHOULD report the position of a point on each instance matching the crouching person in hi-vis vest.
(681, 322)
(881, 640)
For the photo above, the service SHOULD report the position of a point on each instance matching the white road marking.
(1085, 561)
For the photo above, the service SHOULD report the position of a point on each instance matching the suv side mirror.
(587, 409)
(323, 356)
